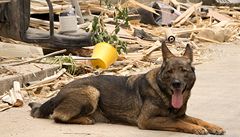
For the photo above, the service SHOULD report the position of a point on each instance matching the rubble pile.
(148, 25)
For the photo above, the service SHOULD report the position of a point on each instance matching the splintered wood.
(185, 15)
(40, 6)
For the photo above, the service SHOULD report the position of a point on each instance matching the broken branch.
(32, 60)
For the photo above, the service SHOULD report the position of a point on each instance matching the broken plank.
(185, 15)
(96, 8)
(56, 8)
(189, 31)
(218, 16)
(153, 48)
(206, 39)
(4, 1)
(39, 22)
(236, 13)
(133, 3)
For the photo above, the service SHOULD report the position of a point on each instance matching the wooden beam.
(5, 1)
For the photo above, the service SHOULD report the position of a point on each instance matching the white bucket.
(68, 23)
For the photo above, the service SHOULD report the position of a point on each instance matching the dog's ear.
(188, 52)
(166, 53)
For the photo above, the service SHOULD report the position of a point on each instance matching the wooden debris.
(96, 8)
(48, 79)
(17, 94)
(4, 106)
(4, 1)
(51, 94)
(175, 3)
(190, 31)
(1, 96)
(232, 13)
(125, 68)
(39, 85)
(207, 39)
(34, 22)
(39, 6)
(133, 3)
(14, 98)
(184, 16)
(218, 16)
(60, 84)
(84, 75)
(39, 58)
(157, 45)
(7, 99)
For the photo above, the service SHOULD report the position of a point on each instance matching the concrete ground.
(215, 98)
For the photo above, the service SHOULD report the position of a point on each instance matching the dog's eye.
(184, 69)
(170, 71)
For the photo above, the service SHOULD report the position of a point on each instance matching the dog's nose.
(176, 83)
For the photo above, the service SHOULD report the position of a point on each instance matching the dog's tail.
(44, 110)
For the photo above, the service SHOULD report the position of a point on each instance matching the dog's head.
(177, 76)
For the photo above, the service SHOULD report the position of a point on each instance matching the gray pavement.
(215, 98)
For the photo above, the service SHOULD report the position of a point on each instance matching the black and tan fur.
(156, 100)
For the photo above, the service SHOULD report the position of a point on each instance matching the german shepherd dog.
(156, 100)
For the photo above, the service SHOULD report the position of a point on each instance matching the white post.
(77, 8)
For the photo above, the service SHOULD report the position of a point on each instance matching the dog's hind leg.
(84, 120)
(77, 105)
(97, 116)
(44, 110)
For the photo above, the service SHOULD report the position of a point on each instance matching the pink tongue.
(177, 99)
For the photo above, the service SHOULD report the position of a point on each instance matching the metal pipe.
(77, 8)
(51, 17)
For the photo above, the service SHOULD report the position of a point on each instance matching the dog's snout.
(176, 83)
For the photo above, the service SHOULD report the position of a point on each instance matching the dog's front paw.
(200, 130)
(216, 130)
